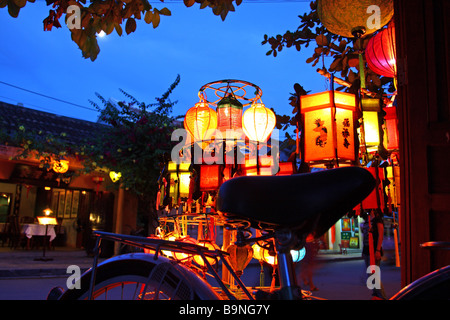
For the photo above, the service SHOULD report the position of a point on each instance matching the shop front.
(77, 202)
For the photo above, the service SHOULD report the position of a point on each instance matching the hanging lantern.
(393, 174)
(257, 252)
(210, 177)
(180, 178)
(239, 257)
(115, 176)
(263, 168)
(211, 246)
(181, 256)
(200, 121)
(263, 254)
(61, 166)
(329, 131)
(258, 122)
(229, 114)
(286, 168)
(381, 54)
(371, 107)
(269, 256)
(374, 201)
(344, 18)
(298, 255)
(391, 122)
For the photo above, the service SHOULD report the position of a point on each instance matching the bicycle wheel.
(140, 277)
(432, 286)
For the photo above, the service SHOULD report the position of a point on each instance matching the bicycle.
(432, 286)
(286, 208)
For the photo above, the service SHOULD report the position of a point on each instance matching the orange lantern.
(263, 168)
(61, 166)
(200, 121)
(258, 122)
(239, 257)
(229, 114)
(329, 131)
(391, 128)
(181, 256)
(210, 246)
(381, 54)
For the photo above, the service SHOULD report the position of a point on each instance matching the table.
(31, 230)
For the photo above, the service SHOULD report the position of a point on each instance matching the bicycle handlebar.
(436, 245)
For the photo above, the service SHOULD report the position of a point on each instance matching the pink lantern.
(381, 54)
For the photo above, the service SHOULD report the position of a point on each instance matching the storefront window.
(5, 205)
(350, 235)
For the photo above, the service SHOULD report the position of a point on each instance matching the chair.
(13, 232)
(4, 233)
(27, 219)
(60, 234)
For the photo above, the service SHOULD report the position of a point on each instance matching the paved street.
(336, 280)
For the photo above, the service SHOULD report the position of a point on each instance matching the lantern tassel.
(261, 275)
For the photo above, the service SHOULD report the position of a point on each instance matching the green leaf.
(109, 27)
(189, 3)
(13, 9)
(130, 25)
(148, 17)
(20, 3)
(156, 18)
(165, 12)
(321, 40)
(118, 29)
(309, 60)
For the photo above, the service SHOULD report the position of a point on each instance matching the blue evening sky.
(193, 43)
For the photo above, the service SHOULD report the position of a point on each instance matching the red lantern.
(200, 121)
(286, 169)
(209, 177)
(374, 201)
(381, 54)
(391, 128)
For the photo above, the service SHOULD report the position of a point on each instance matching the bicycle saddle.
(309, 203)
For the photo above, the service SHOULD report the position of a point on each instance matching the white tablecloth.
(31, 230)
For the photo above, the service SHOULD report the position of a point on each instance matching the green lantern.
(229, 114)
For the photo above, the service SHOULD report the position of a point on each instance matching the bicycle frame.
(158, 245)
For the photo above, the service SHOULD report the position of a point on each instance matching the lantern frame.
(215, 91)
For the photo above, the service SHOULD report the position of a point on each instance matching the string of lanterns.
(329, 129)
